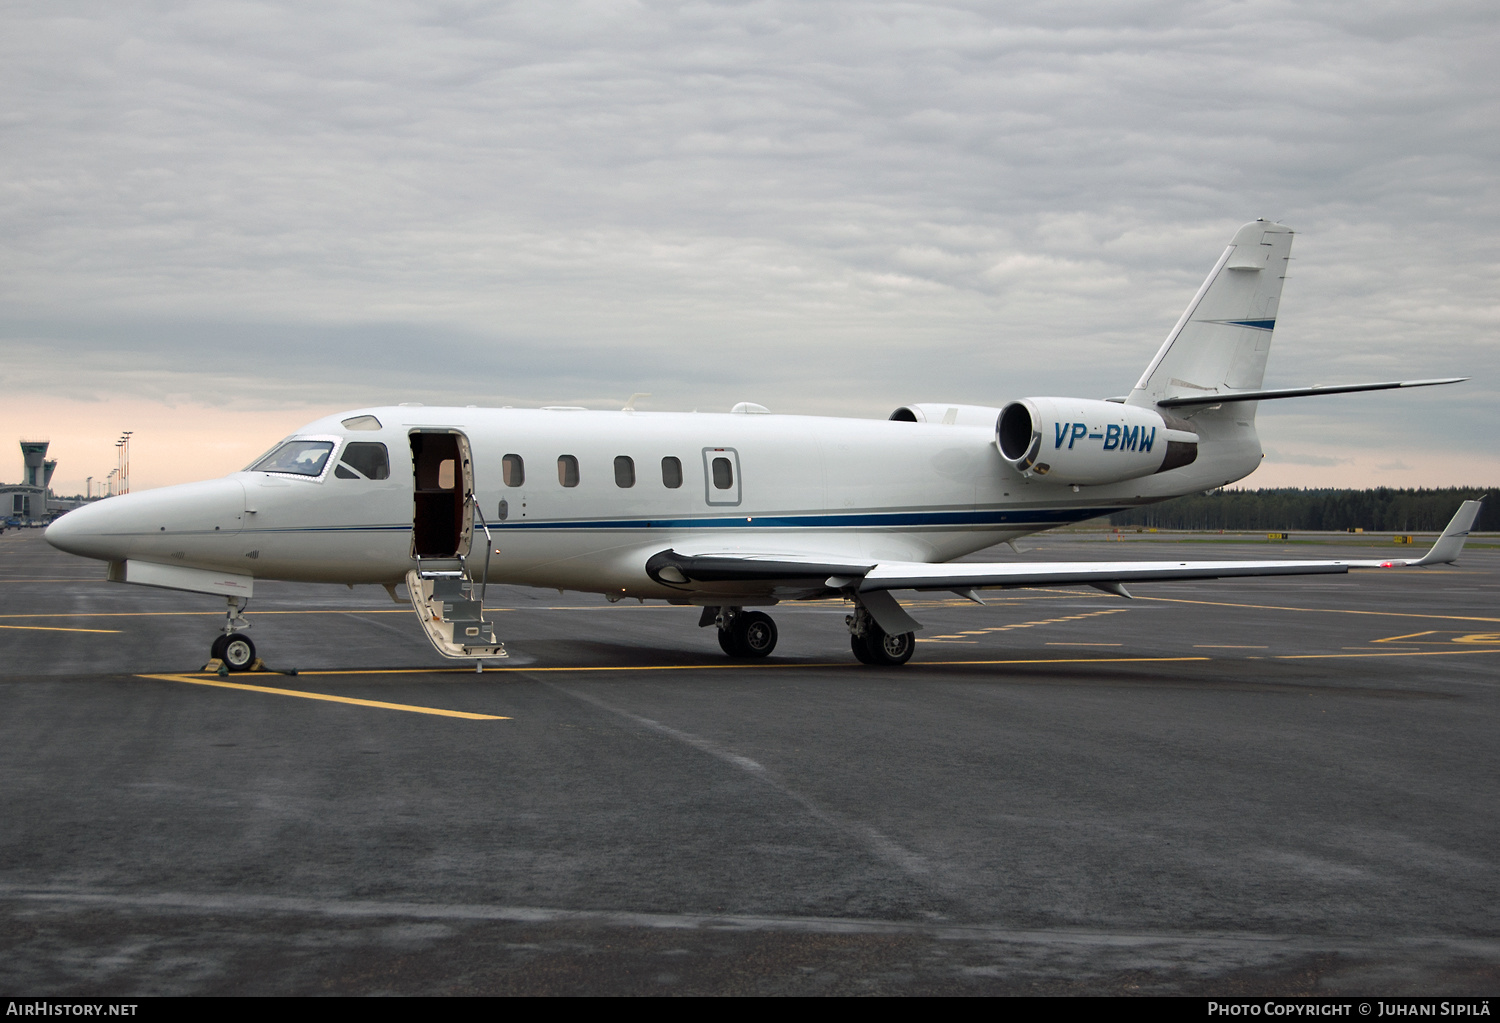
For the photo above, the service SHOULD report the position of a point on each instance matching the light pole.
(125, 461)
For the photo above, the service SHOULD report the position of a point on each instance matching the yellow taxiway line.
(1321, 610)
(54, 628)
(1385, 653)
(720, 666)
(438, 711)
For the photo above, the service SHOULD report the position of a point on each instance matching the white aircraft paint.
(797, 507)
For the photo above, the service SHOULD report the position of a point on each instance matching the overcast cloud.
(832, 207)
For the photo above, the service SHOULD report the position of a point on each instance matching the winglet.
(1451, 543)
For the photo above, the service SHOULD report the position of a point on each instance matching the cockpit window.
(370, 459)
(300, 457)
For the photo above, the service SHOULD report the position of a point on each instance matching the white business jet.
(728, 512)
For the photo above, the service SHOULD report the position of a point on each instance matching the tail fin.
(1222, 340)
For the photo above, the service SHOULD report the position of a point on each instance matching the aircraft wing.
(792, 575)
(918, 576)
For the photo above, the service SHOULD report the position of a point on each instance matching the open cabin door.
(444, 590)
(442, 524)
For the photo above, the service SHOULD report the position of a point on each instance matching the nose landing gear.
(233, 649)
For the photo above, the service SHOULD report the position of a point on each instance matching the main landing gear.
(746, 634)
(873, 645)
(233, 649)
(742, 633)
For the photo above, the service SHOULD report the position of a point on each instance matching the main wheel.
(757, 634)
(879, 647)
(890, 650)
(729, 642)
(217, 650)
(239, 652)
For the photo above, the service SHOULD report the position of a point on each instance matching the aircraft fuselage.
(862, 489)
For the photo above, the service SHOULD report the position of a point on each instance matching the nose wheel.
(233, 649)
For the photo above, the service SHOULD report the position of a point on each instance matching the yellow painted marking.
(331, 699)
(1488, 638)
(1409, 635)
(1321, 610)
(1383, 653)
(63, 579)
(714, 666)
(1050, 643)
(1226, 646)
(209, 614)
(53, 628)
(1072, 660)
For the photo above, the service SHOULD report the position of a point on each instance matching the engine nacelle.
(1082, 441)
(946, 413)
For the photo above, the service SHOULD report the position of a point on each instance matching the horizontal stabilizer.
(1221, 397)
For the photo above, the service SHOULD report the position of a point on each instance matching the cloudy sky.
(221, 220)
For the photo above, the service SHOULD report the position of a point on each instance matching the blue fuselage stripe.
(1040, 518)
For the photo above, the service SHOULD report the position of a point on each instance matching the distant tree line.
(1285, 510)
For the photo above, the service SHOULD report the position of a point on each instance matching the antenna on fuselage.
(630, 405)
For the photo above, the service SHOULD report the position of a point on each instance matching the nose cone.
(137, 525)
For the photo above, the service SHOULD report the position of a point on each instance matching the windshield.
(303, 457)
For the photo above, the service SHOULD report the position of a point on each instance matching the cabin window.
(513, 470)
(723, 474)
(567, 470)
(671, 472)
(299, 457)
(447, 473)
(624, 472)
(372, 460)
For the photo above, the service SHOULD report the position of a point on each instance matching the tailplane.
(1223, 339)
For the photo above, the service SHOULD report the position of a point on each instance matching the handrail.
(489, 545)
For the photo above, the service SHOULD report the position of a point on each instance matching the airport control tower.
(39, 468)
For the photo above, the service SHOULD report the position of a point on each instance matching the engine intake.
(1087, 442)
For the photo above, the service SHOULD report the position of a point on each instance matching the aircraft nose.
(72, 533)
(135, 525)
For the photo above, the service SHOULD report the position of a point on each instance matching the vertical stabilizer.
(1221, 342)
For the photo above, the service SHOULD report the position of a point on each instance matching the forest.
(1285, 510)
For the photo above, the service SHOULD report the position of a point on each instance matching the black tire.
(888, 650)
(238, 652)
(861, 649)
(728, 643)
(757, 634)
(217, 650)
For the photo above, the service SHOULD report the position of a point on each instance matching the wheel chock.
(221, 669)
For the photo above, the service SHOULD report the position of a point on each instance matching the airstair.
(449, 600)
